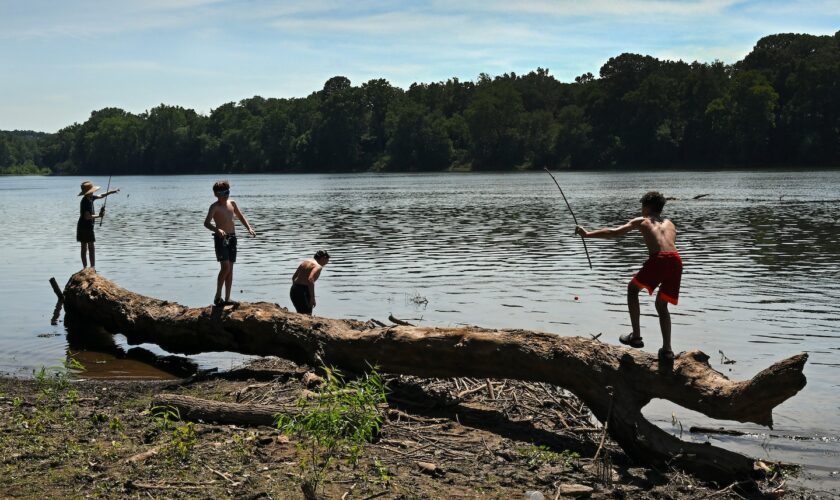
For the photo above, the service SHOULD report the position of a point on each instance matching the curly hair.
(321, 254)
(653, 200)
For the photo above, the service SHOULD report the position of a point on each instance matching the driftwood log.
(614, 382)
(190, 408)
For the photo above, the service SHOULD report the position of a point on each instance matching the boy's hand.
(220, 232)
(581, 231)
(252, 232)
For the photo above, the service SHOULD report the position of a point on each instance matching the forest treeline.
(780, 105)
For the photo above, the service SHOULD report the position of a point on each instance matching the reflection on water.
(96, 350)
(760, 253)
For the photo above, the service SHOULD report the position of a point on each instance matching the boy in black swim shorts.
(87, 215)
(222, 213)
(302, 292)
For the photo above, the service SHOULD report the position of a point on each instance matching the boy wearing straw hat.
(84, 228)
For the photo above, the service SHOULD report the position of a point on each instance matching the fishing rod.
(106, 201)
(573, 215)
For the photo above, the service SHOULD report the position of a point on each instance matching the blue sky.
(59, 60)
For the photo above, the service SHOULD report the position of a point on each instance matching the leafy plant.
(182, 438)
(341, 419)
(382, 471)
(98, 418)
(165, 416)
(243, 447)
(537, 456)
(115, 424)
(182, 441)
(54, 382)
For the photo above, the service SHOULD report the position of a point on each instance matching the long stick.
(105, 204)
(573, 216)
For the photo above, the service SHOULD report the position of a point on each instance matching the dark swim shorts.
(84, 232)
(300, 298)
(225, 247)
(662, 269)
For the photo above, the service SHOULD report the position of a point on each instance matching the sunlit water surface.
(496, 250)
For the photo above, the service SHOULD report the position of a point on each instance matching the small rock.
(534, 495)
(311, 380)
(574, 490)
(430, 469)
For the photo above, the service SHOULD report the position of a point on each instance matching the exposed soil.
(440, 439)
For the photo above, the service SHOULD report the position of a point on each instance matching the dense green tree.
(110, 141)
(745, 116)
(494, 118)
(779, 105)
(336, 138)
(419, 139)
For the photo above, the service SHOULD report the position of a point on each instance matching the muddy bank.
(449, 438)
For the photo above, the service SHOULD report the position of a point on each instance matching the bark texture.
(190, 408)
(615, 382)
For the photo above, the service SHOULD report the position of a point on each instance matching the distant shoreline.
(617, 170)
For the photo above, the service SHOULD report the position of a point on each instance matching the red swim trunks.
(662, 269)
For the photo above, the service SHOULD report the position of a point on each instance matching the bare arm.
(208, 221)
(243, 219)
(90, 215)
(613, 232)
(313, 276)
(104, 195)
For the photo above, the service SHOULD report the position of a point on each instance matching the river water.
(761, 279)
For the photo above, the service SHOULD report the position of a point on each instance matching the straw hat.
(88, 188)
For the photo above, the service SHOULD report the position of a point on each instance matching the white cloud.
(590, 8)
(39, 19)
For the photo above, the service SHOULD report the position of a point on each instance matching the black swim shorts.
(225, 247)
(300, 298)
(84, 232)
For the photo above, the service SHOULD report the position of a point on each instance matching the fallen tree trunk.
(614, 382)
(190, 408)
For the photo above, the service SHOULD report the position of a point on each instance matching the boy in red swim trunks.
(663, 268)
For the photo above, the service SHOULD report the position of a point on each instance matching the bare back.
(660, 234)
(307, 268)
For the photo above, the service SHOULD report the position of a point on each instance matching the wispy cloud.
(625, 8)
(39, 19)
(201, 53)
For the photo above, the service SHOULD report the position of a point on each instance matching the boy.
(84, 228)
(663, 268)
(303, 282)
(222, 213)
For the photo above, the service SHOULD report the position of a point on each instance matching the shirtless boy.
(222, 213)
(663, 268)
(303, 282)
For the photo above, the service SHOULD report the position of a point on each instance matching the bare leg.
(633, 307)
(92, 251)
(664, 323)
(224, 269)
(84, 255)
(228, 282)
